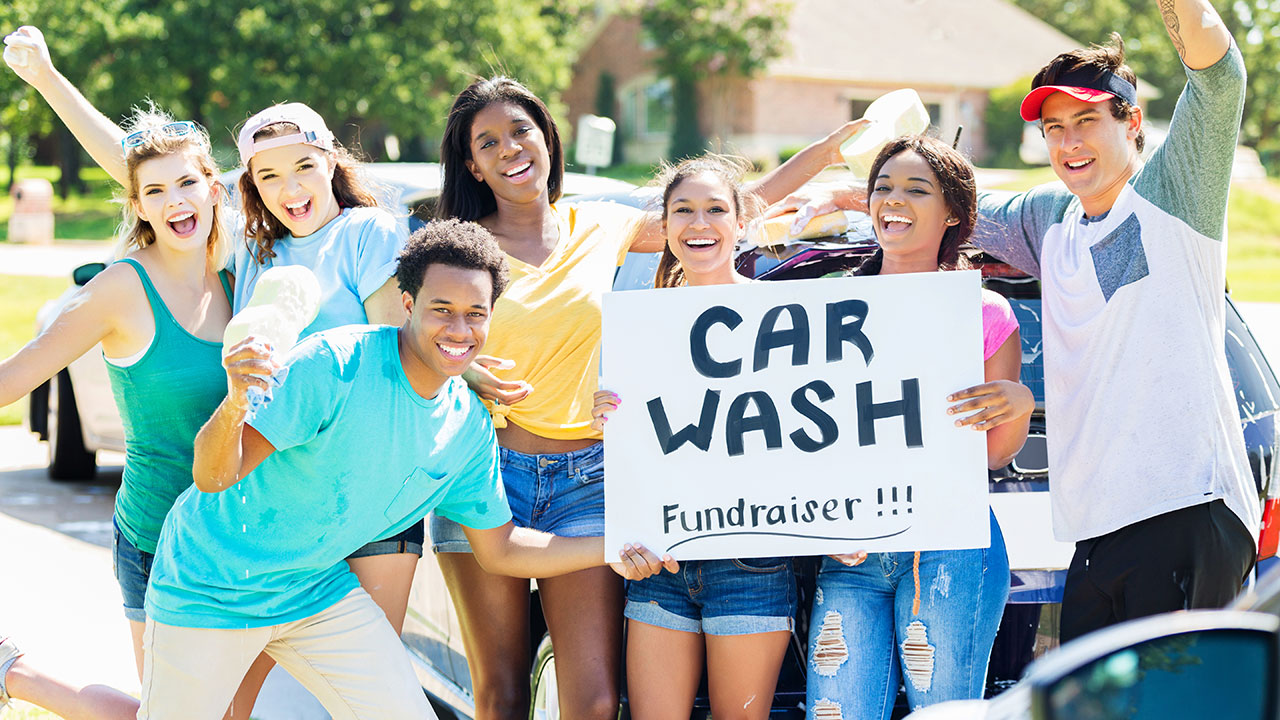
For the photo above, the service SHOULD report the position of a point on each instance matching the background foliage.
(1255, 25)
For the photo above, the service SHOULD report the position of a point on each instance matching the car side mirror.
(1182, 665)
(83, 274)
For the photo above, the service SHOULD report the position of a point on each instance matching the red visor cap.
(1030, 109)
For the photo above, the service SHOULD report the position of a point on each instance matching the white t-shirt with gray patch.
(1141, 415)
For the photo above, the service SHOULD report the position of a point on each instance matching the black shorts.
(408, 541)
(1195, 557)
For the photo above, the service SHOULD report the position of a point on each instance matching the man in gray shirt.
(1146, 454)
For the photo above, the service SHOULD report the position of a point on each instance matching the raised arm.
(804, 165)
(1196, 30)
(28, 55)
(227, 449)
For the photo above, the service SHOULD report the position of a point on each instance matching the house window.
(647, 107)
(858, 108)
(935, 113)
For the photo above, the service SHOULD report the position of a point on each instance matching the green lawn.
(1253, 235)
(80, 217)
(21, 297)
(1253, 248)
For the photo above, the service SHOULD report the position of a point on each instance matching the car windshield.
(1028, 313)
(1252, 380)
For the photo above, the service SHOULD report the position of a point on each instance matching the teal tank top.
(164, 399)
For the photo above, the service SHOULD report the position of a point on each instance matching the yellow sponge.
(776, 231)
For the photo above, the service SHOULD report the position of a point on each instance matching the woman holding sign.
(503, 168)
(931, 616)
(737, 614)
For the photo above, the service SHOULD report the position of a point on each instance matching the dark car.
(1019, 497)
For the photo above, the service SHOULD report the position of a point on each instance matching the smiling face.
(509, 153)
(910, 211)
(176, 198)
(703, 225)
(1091, 151)
(295, 183)
(448, 324)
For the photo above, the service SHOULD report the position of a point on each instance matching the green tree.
(1255, 25)
(82, 37)
(385, 66)
(1004, 125)
(697, 39)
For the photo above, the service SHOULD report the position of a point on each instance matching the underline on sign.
(792, 535)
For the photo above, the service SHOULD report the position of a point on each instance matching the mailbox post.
(594, 142)
(32, 218)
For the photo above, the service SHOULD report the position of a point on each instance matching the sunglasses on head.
(173, 129)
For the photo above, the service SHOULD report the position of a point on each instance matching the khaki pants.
(347, 656)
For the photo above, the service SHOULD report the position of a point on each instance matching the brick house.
(841, 54)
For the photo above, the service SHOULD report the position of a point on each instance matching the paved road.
(57, 260)
(58, 595)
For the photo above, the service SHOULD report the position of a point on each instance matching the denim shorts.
(561, 493)
(407, 541)
(718, 597)
(133, 569)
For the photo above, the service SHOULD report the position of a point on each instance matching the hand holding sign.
(605, 402)
(996, 403)
(638, 562)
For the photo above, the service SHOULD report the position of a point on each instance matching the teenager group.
(298, 540)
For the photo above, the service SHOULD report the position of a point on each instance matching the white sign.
(593, 142)
(794, 418)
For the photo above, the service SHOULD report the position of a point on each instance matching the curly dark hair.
(455, 243)
(1101, 59)
(461, 195)
(959, 192)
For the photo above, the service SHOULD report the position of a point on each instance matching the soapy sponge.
(284, 302)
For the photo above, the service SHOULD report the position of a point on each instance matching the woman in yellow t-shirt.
(503, 168)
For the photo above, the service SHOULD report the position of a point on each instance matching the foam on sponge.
(285, 301)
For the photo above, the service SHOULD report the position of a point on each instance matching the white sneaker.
(9, 654)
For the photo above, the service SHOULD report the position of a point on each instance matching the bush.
(1270, 158)
(789, 152)
(1004, 125)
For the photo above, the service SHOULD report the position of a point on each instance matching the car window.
(1255, 386)
(1257, 392)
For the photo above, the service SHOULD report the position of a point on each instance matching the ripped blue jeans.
(864, 639)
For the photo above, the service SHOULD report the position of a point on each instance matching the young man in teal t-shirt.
(251, 558)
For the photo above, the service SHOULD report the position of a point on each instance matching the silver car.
(76, 411)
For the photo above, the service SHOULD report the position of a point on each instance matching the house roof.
(919, 43)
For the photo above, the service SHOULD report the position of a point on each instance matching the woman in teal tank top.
(304, 204)
(159, 315)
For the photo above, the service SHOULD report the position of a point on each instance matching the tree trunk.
(686, 136)
(69, 163)
(13, 160)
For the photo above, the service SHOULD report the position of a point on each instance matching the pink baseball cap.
(311, 130)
